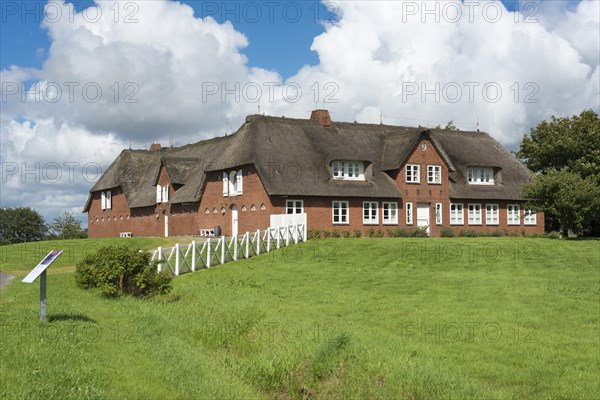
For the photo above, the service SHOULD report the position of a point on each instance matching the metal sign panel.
(41, 267)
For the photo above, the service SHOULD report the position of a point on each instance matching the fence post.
(296, 233)
(235, 248)
(193, 256)
(177, 259)
(257, 241)
(268, 239)
(288, 231)
(278, 232)
(247, 244)
(222, 249)
(159, 257)
(304, 232)
(208, 255)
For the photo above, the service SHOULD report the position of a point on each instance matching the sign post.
(40, 271)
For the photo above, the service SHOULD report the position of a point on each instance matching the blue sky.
(280, 34)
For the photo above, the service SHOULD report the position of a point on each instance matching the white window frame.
(511, 210)
(348, 170)
(391, 209)
(434, 174)
(372, 208)
(457, 217)
(409, 214)
(342, 209)
(492, 214)
(474, 214)
(158, 194)
(106, 200)
(165, 193)
(529, 217)
(294, 206)
(438, 214)
(414, 172)
(480, 175)
(225, 178)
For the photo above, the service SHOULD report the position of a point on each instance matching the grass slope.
(494, 318)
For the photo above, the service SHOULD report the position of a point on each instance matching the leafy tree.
(564, 142)
(21, 224)
(569, 149)
(567, 195)
(66, 226)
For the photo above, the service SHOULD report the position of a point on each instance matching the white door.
(166, 214)
(423, 215)
(234, 221)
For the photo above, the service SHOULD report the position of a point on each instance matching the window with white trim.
(409, 214)
(413, 173)
(491, 214)
(349, 170)
(165, 193)
(294, 206)
(438, 213)
(339, 212)
(529, 217)
(106, 200)
(434, 174)
(512, 212)
(481, 175)
(232, 183)
(370, 213)
(474, 214)
(390, 213)
(457, 214)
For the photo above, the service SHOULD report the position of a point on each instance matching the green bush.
(446, 232)
(468, 233)
(326, 234)
(120, 271)
(370, 232)
(419, 231)
(335, 233)
(553, 235)
(400, 233)
(379, 233)
(346, 234)
(357, 233)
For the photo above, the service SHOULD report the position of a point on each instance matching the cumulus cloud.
(107, 82)
(430, 62)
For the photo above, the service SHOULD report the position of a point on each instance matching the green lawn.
(20, 258)
(493, 318)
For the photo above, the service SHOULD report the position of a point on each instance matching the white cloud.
(169, 59)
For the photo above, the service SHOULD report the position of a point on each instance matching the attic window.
(348, 170)
(481, 175)
(106, 200)
(162, 194)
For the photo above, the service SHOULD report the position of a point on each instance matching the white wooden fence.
(197, 255)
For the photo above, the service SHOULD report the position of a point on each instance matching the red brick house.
(344, 176)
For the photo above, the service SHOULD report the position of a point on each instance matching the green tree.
(21, 224)
(564, 142)
(66, 226)
(567, 149)
(573, 199)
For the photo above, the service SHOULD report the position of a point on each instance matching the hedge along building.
(344, 176)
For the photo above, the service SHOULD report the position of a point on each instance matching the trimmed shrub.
(379, 233)
(325, 234)
(120, 271)
(346, 234)
(446, 232)
(357, 233)
(468, 233)
(401, 233)
(370, 232)
(419, 231)
(497, 233)
(335, 233)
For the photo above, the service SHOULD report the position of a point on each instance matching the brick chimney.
(155, 147)
(321, 117)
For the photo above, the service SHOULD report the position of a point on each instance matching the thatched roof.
(292, 157)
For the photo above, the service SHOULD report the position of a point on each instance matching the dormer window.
(232, 183)
(348, 170)
(481, 175)
(162, 194)
(106, 200)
